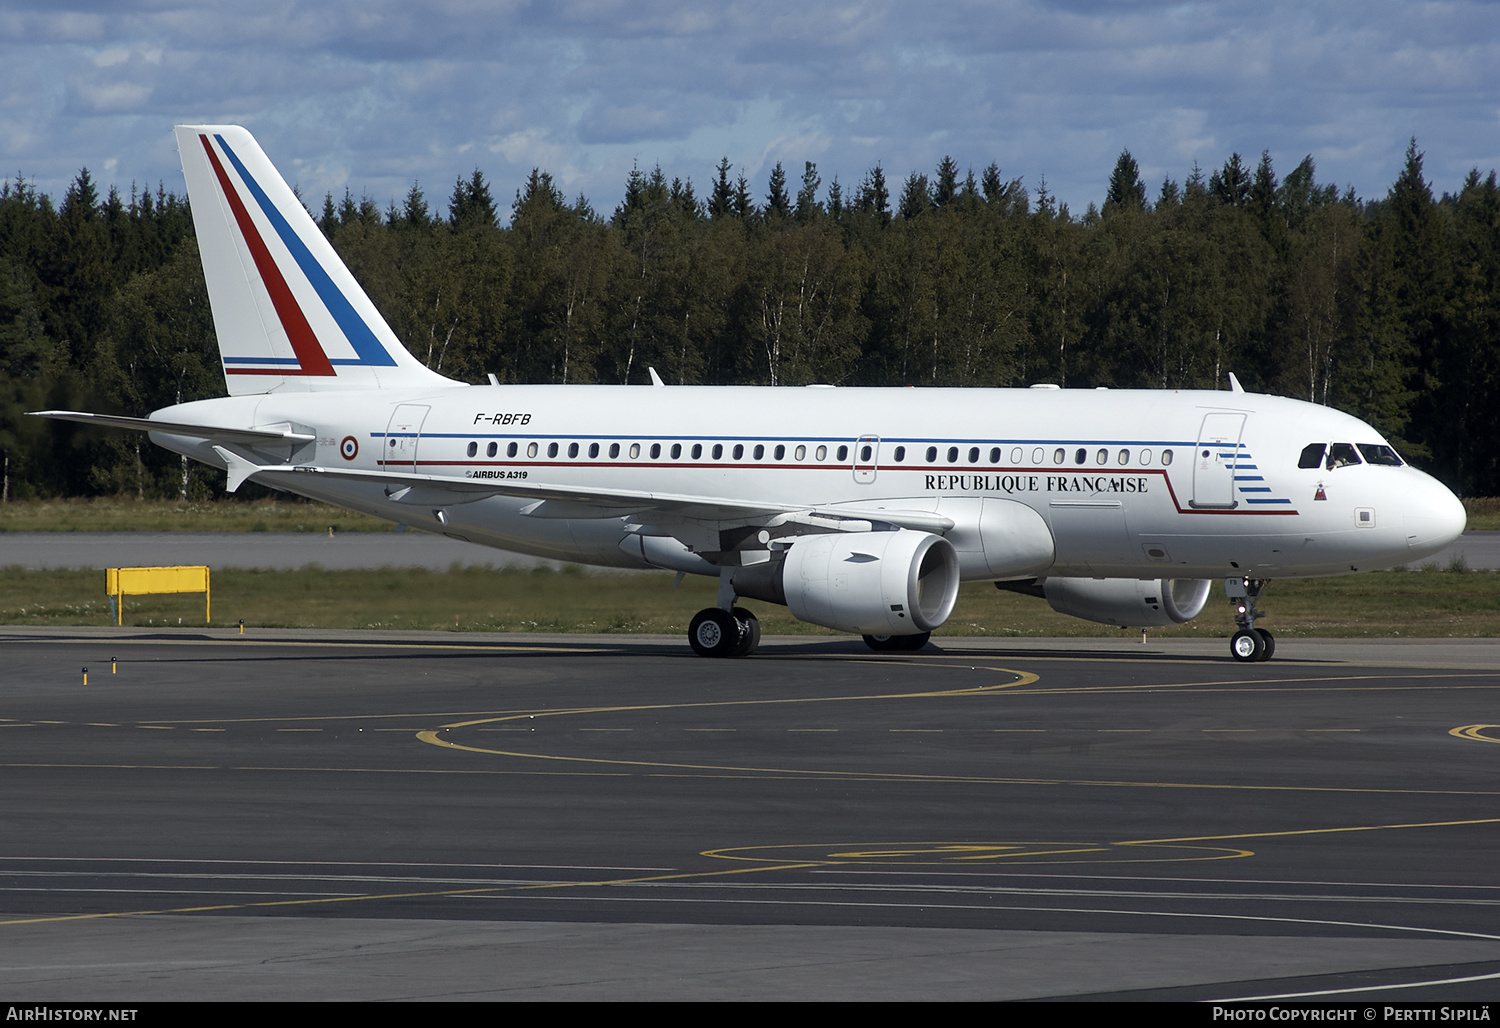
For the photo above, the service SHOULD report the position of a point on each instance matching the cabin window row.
(1102, 456)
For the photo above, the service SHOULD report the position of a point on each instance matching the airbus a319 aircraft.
(859, 509)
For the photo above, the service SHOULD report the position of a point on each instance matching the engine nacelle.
(873, 583)
(1128, 602)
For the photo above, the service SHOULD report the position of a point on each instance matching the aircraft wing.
(569, 501)
(247, 436)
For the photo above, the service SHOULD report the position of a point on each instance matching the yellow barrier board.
(122, 582)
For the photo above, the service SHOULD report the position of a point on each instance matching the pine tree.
(778, 204)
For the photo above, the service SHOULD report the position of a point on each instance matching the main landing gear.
(716, 632)
(725, 630)
(897, 643)
(1249, 643)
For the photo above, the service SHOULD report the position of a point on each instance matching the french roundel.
(349, 448)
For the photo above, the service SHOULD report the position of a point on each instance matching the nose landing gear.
(1249, 643)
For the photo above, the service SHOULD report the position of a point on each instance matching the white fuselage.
(1145, 484)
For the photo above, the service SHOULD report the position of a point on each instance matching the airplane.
(859, 509)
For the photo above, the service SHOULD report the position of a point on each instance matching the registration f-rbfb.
(859, 509)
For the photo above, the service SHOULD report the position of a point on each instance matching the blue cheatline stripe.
(354, 327)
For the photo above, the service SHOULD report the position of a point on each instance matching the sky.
(373, 95)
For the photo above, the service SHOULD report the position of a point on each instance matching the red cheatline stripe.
(309, 353)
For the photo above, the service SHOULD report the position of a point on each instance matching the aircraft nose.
(1434, 517)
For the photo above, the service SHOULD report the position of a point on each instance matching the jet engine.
(873, 583)
(1128, 602)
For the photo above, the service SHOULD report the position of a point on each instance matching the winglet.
(239, 468)
(1234, 384)
(656, 379)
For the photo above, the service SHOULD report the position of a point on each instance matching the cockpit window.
(1375, 453)
(1342, 455)
(1312, 455)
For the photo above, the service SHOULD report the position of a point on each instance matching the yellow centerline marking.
(413, 895)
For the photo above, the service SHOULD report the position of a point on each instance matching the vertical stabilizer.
(288, 314)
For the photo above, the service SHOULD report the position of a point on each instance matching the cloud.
(388, 91)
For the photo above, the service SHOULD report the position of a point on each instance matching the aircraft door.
(866, 458)
(402, 435)
(1215, 459)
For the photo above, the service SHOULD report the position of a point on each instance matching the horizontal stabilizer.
(248, 436)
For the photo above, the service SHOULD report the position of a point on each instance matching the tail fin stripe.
(355, 329)
(311, 359)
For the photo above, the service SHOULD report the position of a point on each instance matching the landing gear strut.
(1249, 643)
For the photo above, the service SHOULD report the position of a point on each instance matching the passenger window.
(1015, 455)
(473, 449)
(1341, 455)
(1374, 453)
(718, 451)
(635, 450)
(593, 450)
(676, 451)
(994, 455)
(697, 450)
(614, 450)
(1037, 455)
(931, 454)
(572, 449)
(760, 451)
(900, 454)
(1059, 455)
(865, 453)
(1166, 458)
(739, 450)
(800, 453)
(1102, 457)
(1312, 455)
(843, 454)
(1145, 457)
(973, 455)
(821, 453)
(531, 450)
(552, 449)
(953, 455)
(655, 450)
(1081, 457)
(780, 452)
(1124, 456)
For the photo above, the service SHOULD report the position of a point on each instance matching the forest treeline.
(1385, 308)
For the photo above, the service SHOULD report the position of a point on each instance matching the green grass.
(119, 514)
(1430, 603)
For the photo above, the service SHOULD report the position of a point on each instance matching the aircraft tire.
(714, 633)
(1247, 646)
(1270, 641)
(749, 632)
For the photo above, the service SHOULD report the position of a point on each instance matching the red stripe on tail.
(305, 344)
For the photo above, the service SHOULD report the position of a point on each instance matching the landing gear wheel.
(749, 632)
(714, 633)
(1247, 646)
(897, 643)
(1270, 641)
